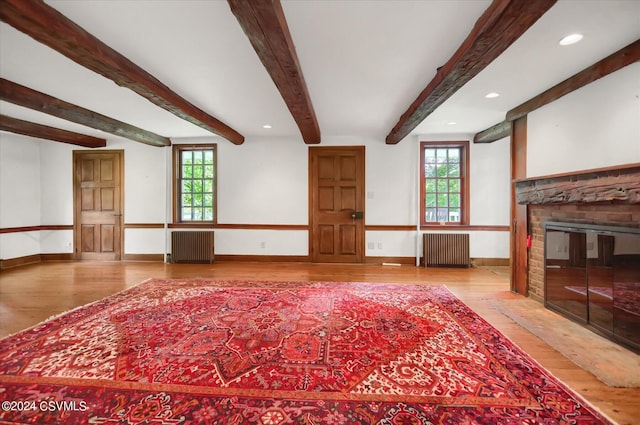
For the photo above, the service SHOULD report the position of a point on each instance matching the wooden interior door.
(98, 205)
(337, 199)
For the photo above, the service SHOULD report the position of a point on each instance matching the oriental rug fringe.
(270, 353)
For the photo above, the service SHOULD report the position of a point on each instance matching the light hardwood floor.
(31, 294)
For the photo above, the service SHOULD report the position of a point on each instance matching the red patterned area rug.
(230, 352)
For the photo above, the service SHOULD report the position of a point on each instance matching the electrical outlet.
(263, 244)
(379, 245)
(371, 245)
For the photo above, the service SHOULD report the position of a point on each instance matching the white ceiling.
(364, 62)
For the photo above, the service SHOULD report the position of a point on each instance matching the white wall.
(145, 241)
(56, 183)
(20, 198)
(19, 181)
(56, 194)
(145, 190)
(263, 181)
(261, 242)
(490, 169)
(392, 184)
(596, 126)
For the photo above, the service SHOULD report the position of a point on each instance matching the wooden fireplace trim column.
(519, 222)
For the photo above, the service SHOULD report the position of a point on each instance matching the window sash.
(194, 183)
(444, 189)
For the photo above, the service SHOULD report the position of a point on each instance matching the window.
(444, 193)
(195, 183)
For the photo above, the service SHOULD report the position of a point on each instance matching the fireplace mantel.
(620, 184)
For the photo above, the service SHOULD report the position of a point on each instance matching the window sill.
(456, 227)
(191, 225)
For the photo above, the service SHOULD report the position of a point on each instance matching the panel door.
(98, 205)
(337, 204)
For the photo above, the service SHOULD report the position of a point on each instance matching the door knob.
(357, 214)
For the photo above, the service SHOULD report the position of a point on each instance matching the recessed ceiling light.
(570, 39)
(492, 95)
(451, 123)
(266, 126)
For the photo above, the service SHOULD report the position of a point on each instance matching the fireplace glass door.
(592, 275)
(566, 272)
(600, 249)
(626, 289)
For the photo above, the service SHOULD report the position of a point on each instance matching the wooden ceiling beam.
(48, 26)
(264, 23)
(493, 133)
(500, 25)
(32, 99)
(26, 128)
(612, 63)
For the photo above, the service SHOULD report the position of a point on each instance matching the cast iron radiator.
(192, 247)
(446, 249)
